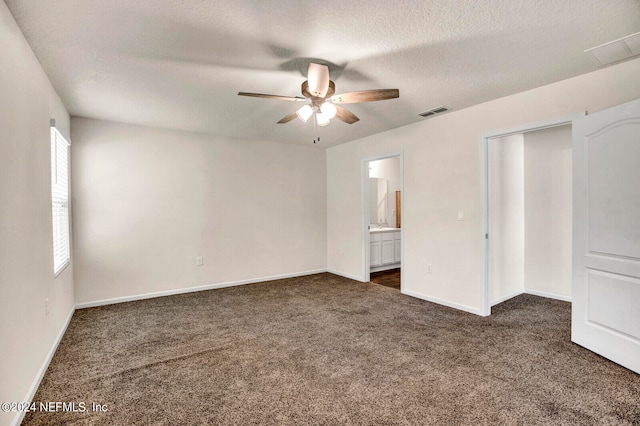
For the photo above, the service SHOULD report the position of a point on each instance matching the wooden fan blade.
(366, 96)
(345, 115)
(318, 77)
(278, 97)
(287, 118)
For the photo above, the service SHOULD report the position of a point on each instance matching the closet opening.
(527, 218)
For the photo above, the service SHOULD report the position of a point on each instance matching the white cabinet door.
(398, 245)
(375, 253)
(606, 234)
(387, 252)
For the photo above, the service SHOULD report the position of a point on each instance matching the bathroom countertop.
(378, 230)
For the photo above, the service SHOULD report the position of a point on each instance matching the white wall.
(506, 217)
(441, 175)
(548, 210)
(147, 202)
(27, 334)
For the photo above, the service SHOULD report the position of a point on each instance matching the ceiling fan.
(319, 90)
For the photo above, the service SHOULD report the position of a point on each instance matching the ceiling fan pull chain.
(315, 127)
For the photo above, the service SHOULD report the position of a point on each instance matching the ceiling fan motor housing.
(307, 93)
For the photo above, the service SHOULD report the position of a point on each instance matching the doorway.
(382, 218)
(527, 213)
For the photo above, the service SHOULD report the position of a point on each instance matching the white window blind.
(60, 200)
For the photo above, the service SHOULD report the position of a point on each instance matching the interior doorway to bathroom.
(382, 213)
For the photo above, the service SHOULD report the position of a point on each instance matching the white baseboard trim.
(507, 297)
(123, 299)
(43, 369)
(442, 302)
(549, 295)
(342, 274)
(533, 293)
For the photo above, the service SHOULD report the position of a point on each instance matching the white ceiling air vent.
(614, 51)
(434, 111)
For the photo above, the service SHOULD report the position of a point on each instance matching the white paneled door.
(606, 234)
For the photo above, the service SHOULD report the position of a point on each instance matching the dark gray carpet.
(327, 350)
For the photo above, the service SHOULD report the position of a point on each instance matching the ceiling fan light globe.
(322, 119)
(329, 110)
(304, 113)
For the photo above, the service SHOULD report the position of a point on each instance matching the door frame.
(485, 290)
(364, 172)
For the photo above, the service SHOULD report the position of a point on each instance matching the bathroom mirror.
(377, 200)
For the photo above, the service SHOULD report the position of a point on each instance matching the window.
(60, 199)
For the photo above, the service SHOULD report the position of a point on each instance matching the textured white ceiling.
(179, 64)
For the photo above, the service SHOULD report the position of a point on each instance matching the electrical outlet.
(199, 261)
(460, 215)
(46, 306)
(429, 268)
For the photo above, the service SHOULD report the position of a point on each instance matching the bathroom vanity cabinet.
(385, 246)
